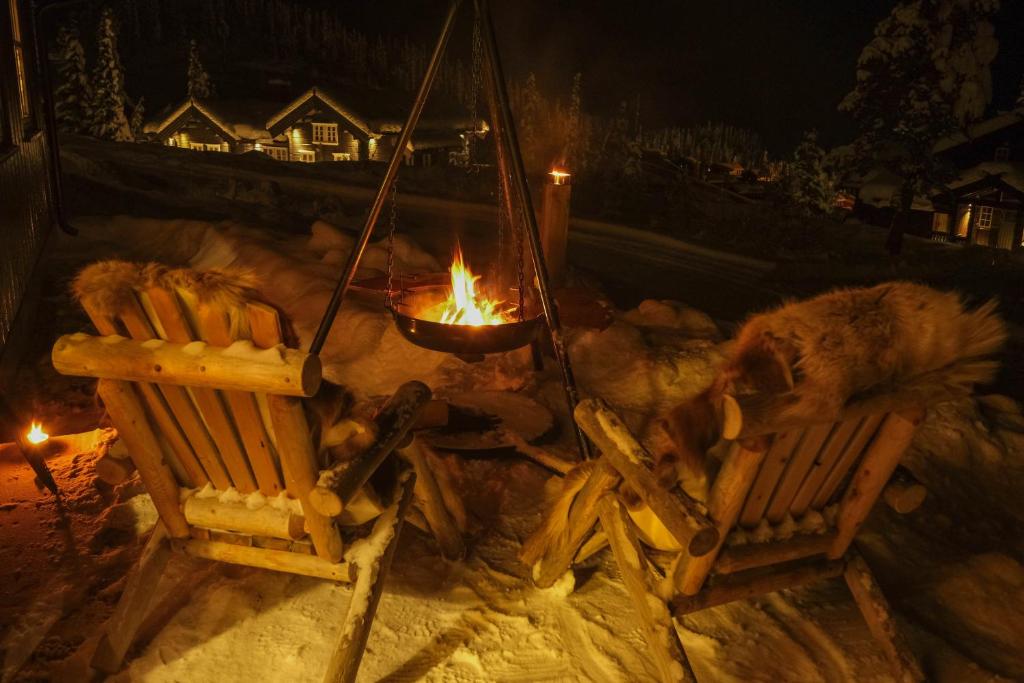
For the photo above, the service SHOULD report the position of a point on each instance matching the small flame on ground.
(465, 304)
(559, 176)
(36, 434)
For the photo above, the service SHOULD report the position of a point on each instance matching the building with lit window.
(317, 126)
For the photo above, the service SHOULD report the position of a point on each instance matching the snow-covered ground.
(952, 568)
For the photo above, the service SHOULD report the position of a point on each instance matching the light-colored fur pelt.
(821, 353)
(109, 288)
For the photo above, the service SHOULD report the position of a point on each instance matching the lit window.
(19, 61)
(325, 133)
(984, 217)
(341, 156)
(214, 148)
(198, 146)
(304, 156)
(1003, 153)
(279, 153)
(940, 222)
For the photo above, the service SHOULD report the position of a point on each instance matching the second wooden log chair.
(821, 479)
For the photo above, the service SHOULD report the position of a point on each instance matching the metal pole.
(513, 154)
(385, 187)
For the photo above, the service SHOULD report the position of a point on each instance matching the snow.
(951, 569)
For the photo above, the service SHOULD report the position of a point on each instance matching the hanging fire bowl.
(462, 340)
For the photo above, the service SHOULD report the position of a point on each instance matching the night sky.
(777, 67)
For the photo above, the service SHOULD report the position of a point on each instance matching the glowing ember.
(36, 434)
(465, 304)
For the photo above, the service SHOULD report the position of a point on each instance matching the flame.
(559, 176)
(465, 305)
(36, 434)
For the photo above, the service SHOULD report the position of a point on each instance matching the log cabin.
(316, 126)
(27, 180)
(985, 204)
(980, 206)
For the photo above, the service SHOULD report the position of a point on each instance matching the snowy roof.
(1010, 173)
(880, 188)
(981, 129)
(376, 111)
(327, 98)
(240, 119)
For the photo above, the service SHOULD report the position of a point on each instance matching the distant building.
(316, 126)
(983, 205)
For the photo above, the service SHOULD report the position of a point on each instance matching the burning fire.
(465, 305)
(36, 434)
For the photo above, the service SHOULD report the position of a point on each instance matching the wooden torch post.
(554, 224)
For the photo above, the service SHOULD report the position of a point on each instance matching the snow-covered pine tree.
(923, 75)
(107, 114)
(199, 84)
(71, 91)
(138, 120)
(809, 184)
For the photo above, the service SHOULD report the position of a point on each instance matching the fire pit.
(460, 318)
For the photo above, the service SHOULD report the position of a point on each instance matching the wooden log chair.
(207, 400)
(782, 511)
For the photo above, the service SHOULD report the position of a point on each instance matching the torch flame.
(36, 434)
(465, 305)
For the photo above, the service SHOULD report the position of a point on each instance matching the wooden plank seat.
(782, 511)
(207, 398)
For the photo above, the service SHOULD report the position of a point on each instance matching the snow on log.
(684, 517)
(371, 557)
(267, 520)
(340, 483)
(653, 615)
(240, 366)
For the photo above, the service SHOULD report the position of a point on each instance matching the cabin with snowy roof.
(985, 204)
(318, 126)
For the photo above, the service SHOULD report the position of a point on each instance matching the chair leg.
(139, 593)
(880, 619)
(378, 549)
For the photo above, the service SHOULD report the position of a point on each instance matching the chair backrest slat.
(167, 311)
(772, 468)
(796, 470)
(852, 453)
(839, 436)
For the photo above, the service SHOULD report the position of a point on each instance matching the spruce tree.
(924, 75)
(71, 90)
(138, 121)
(809, 184)
(199, 84)
(108, 118)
